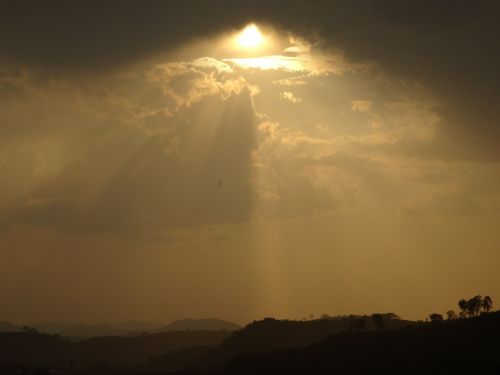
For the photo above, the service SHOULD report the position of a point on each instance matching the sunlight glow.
(269, 63)
(250, 37)
(282, 63)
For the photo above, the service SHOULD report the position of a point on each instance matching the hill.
(200, 325)
(131, 328)
(265, 336)
(465, 346)
(77, 330)
(80, 331)
(38, 349)
(270, 346)
(125, 351)
(272, 334)
(34, 349)
(9, 327)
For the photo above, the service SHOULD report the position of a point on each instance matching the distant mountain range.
(184, 344)
(37, 349)
(200, 325)
(9, 327)
(131, 328)
(270, 346)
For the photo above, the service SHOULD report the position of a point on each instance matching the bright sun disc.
(251, 37)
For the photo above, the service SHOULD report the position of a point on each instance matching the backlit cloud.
(288, 95)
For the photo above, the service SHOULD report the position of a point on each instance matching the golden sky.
(256, 162)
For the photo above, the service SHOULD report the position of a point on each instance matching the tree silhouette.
(470, 307)
(31, 330)
(392, 316)
(451, 315)
(462, 305)
(487, 304)
(435, 318)
(474, 305)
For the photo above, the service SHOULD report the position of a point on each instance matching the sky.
(243, 159)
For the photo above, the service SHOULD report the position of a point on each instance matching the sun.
(250, 37)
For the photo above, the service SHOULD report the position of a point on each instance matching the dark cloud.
(95, 34)
(451, 48)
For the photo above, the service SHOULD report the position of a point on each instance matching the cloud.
(187, 83)
(19, 170)
(155, 113)
(156, 146)
(129, 183)
(294, 81)
(396, 37)
(361, 105)
(454, 204)
(288, 95)
(121, 32)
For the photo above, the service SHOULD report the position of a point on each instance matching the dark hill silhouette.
(134, 326)
(77, 330)
(198, 358)
(34, 349)
(9, 327)
(85, 331)
(265, 336)
(200, 325)
(133, 350)
(383, 344)
(272, 334)
(38, 349)
(465, 346)
(57, 328)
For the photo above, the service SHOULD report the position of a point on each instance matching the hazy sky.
(157, 161)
